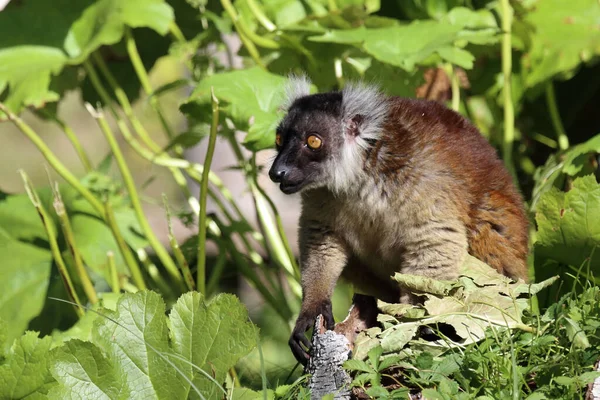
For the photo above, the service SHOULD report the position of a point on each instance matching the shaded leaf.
(567, 224)
(26, 366)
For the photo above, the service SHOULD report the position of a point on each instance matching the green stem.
(132, 265)
(55, 250)
(252, 50)
(176, 32)
(162, 254)
(561, 134)
(509, 112)
(177, 175)
(201, 271)
(112, 273)
(217, 271)
(86, 282)
(52, 159)
(179, 257)
(72, 138)
(455, 89)
(82, 190)
(261, 16)
(142, 75)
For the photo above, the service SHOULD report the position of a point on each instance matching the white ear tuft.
(296, 87)
(368, 102)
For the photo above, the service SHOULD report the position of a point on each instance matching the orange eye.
(278, 140)
(314, 142)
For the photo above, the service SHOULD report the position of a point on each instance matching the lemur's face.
(310, 134)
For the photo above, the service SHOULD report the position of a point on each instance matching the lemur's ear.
(364, 109)
(353, 126)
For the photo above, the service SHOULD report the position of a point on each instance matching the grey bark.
(329, 351)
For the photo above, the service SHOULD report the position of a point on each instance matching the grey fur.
(368, 102)
(296, 87)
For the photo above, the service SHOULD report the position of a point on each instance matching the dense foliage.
(525, 72)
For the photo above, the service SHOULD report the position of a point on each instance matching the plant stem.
(52, 159)
(72, 138)
(176, 32)
(201, 270)
(112, 273)
(179, 257)
(162, 254)
(59, 206)
(561, 135)
(260, 16)
(132, 265)
(509, 112)
(55, 250)
(455, 89)
(142, 75)
(106, 213)
(252, 50)
(217, 271)
(177, 175)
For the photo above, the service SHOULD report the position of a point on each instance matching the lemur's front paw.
(299, 343)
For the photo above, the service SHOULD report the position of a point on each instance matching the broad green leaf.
(80, 368)
(84, 326)
(212, 336)
(568, 229)
(138, 347)
(578, 160)
(24, 275)
(19, 218)
(357, 365)
(242, 393)
(407, 45)
(576, 334)
(136, 352)
(25, 367)
(60, 33)
(564, 34)
(250, 97)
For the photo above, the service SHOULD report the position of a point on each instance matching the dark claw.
(299, 343)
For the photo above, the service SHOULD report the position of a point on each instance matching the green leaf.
(212, 336)
(250, 97)
(136, 352)
(377, 392)
(424, 361)
(578, 160)
(588, 377)
(80, 367)
(358, 365)
(374, 354)
(26, 366)
(19, 218)
(567, 224)
(407, 45)
(576, 334)
(564, 34)
(59, 33)
(132, 347)
(564, 380)
(24, 278)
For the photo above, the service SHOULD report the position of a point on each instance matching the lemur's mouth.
(290, 188)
